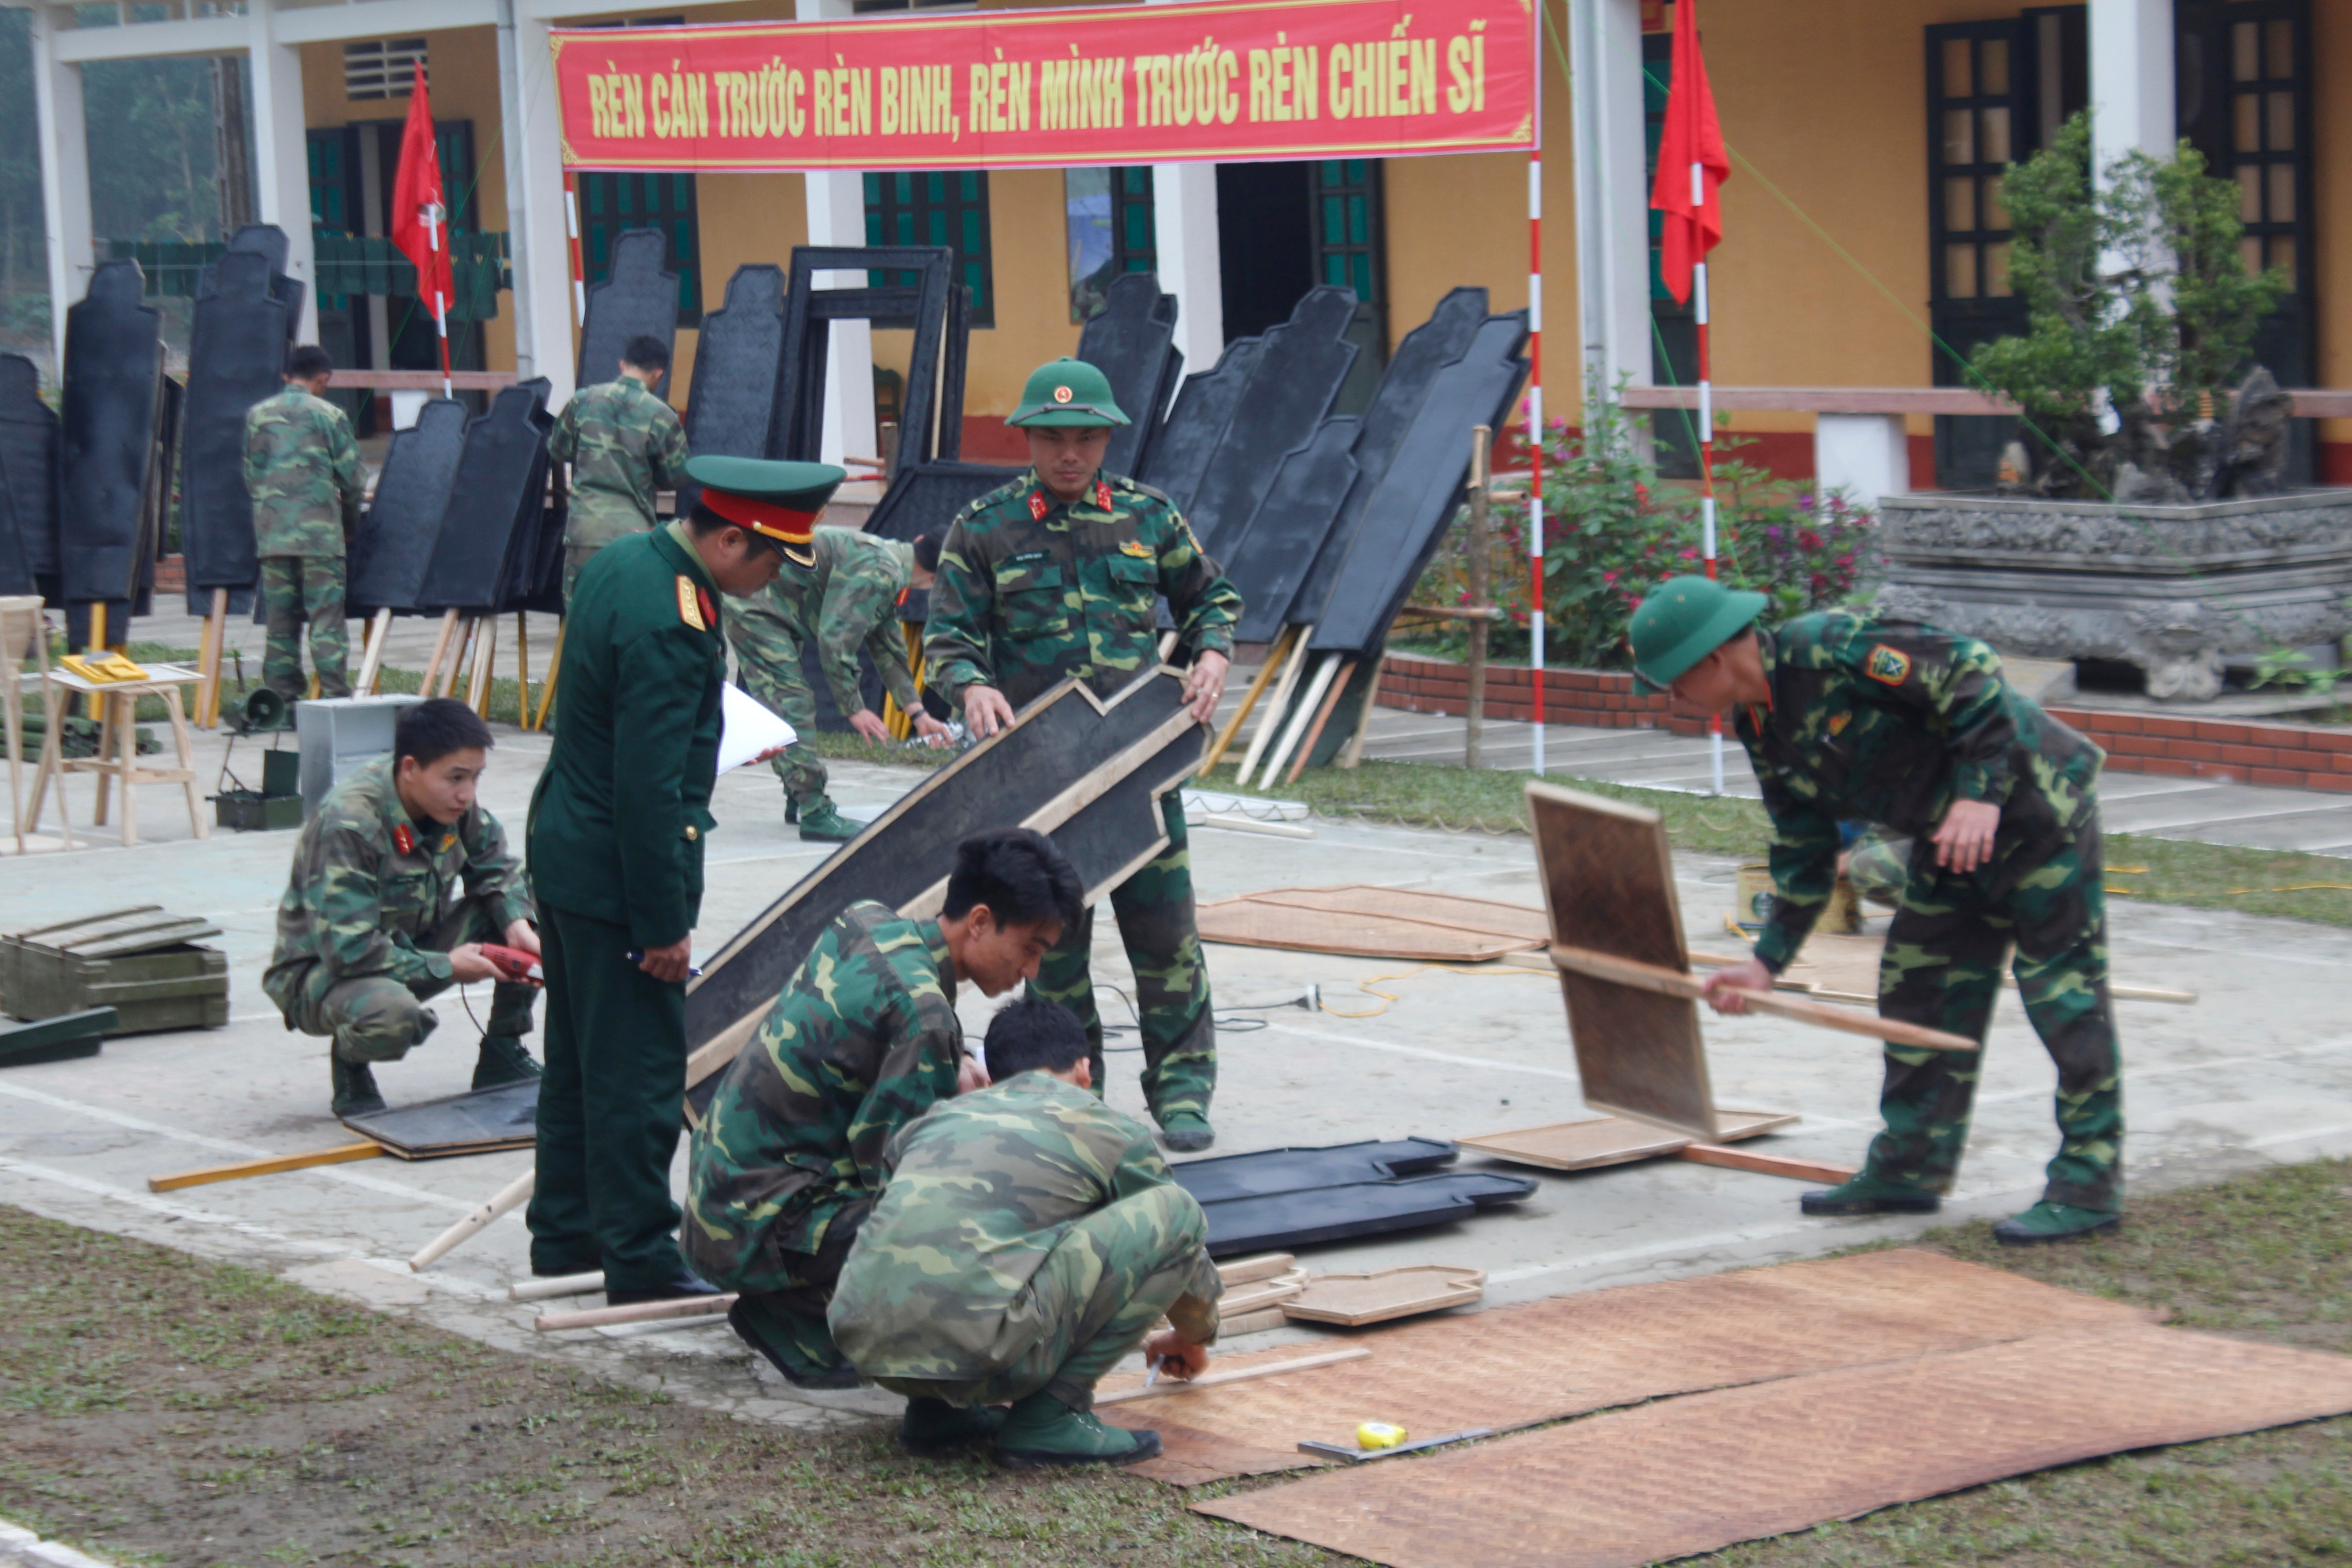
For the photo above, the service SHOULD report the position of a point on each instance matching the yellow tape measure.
(1379, 1434)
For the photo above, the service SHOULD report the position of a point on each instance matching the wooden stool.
(20, 632)
(118, 732)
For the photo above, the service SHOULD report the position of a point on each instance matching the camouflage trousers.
(1942, 968)
(1111, 1277)
(375, 1018)
(768, 654)
(299, 590)
(1154, 911)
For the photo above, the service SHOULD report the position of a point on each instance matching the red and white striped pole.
(440, 304)
(1535, 445)
(1705, 447)
(572, 237)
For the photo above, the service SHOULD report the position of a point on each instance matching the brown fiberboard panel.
(1420, 905)
(1608, 888)
(1688, 1476)
(1253, 921)
(1354, 1299)
(1516, 1366)
(1613, 1139)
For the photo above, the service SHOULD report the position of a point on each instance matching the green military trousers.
(767, 642)
(610, 1109)
(299, 590)
(1942, 968)
(1111, 1277)
(375, 1018)
(1154, 911)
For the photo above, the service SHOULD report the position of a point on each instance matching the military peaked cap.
(778, 502)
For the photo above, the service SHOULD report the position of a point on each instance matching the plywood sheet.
(1617, 1491)
(1608, 888)
(1253, 921)
(1516, 1366)
(1489, 915)
(1355, 1299)
(477, 1124)
(1613, 1139)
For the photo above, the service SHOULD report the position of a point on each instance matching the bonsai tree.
(2141, 314)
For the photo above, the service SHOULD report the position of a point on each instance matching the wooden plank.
(1252, 1298)
(1766, 1164)
(341, 1154)
(1650, 978)
(1293, 928)
(1254, 1323)
(1609, 888)
(1490, 916)
(1242, 1270)
(1168, 1385)
(1354, 1299)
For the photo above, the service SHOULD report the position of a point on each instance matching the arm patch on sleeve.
(1889, 666)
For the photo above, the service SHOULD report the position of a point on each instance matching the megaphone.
(263, 709)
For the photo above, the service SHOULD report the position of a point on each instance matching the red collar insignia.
(1038, 505)
(403, 840)
(1102, 495)
(702, 601)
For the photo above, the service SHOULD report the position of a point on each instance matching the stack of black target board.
(730, 404)
(116, 437)
(499, 545)
(1278, 1200)
(236, 358)
(28, 482)
(394, 546)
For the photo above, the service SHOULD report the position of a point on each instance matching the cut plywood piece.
(1356, 1299)
(1613, 1139)
(1490, 916)
(1507, 1367)
(1617, 1491)
(1257, 920)
(481, 1122)
(1608, 888)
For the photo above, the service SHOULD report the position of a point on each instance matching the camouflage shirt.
(370, 882)
(302, 470)
(864, 1040)
(1889, 723)
(851, 598)
(1031, 590)
(623, 443)
(980, 1191)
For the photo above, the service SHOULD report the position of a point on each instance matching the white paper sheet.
(746, 728)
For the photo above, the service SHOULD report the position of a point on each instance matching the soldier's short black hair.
(308, 362)
(646, 351)
(927, 551)
(1019, 874)
(431, 730)
(1034, 1034)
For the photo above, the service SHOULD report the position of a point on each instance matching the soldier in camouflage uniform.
(623, 443)
(373, 926)
(845, 597)
(302, 470)
(1029, 1237)
(1913, 730)
(864, 1039)
(1059, 574)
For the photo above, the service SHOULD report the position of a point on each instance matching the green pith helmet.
(1068, 392)
(1683, 621)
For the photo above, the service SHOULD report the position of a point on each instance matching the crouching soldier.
(864, 1040)
(373, 926)
(1029, 1237)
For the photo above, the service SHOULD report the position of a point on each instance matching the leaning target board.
(1132, 340)
(237, 352)
(732, 399)
(494, 500)
(394, 546)
(1292, 382)
(28, 479)
(1608, 888)
(638, 298)
(108, 430)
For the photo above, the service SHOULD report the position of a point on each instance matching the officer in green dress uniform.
(1058, 574)
(1912, 729)
(616, 837)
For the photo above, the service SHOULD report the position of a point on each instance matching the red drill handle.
(513, 963)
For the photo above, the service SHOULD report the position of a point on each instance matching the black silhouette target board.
(637, 299)
(237, 352)
(1404, 385)
(107, 433)
(268, 241)
(1267, 1172)
(28, 481)
(1275, 550)
(931, 412)
(394, 546)
(1196, 425)
(924, 498)
(1408, 512)
(493, 503)
(1282, 1222)
(1291, 386)
(1133, 342)
(733, 401)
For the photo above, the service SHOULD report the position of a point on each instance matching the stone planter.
(2171, 589)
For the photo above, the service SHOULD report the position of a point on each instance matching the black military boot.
(503, 1060)
(355, 1090)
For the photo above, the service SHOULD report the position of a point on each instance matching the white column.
(836, 216)
(1612, 200)
(1866, 455)
(65, 176)
(2131, 80)
(1184, 228)
(281, 156)
(371, 211)
(537, 237)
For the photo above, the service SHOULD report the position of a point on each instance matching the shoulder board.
(690, 604)
(403, 838)
(1002, 493)
(1136, 487)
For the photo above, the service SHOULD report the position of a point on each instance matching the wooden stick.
(509, 1196)
(522, 670)
(642, 1313)
(486, 659)
(1267, 672)
(1354, 755)
(440, 650)
(208, 660)
(1671, 983)
(1274, 1292)
(372, 654)
(554, 668)
(1240, 1375)
(1300, 716)
(1769, 1164)
(1322, 717)
(340, 1154)
(1279, 704)
(2116, 989)
(561, 1285)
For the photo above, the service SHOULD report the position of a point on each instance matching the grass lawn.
(159, 1410)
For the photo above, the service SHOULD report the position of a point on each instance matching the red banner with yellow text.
(1010, 89)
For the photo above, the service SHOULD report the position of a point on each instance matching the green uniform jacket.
(370, 881)
(302, 470)
(848, 599)
(623, 443)
(1031, 590)
(864, 1040)
(1889, 723)
(619, 817)
(981, 1189)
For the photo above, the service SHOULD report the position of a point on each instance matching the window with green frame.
(946, 207)
(1112, 229)
(610, 204)
(1348, 227)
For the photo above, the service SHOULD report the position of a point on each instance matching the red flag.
(420, 211)
(1693, 221)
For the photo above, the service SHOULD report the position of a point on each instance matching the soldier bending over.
(1029, 1237)
(371, 925)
